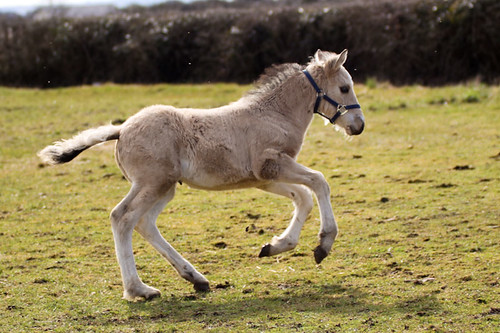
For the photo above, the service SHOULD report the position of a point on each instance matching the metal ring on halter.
(342, 109)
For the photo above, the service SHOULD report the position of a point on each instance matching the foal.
(253, 142)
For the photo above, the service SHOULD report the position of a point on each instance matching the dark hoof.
(319, 254)
(201, 286)
(265, 251)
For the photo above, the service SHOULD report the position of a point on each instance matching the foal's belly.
(223, 186)
(206, 177)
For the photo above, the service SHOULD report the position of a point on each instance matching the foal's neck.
(294, 99)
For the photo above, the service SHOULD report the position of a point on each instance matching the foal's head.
(339, 86)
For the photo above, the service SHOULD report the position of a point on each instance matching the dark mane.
(273, 77)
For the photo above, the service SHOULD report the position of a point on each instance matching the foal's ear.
(319, 56)
(334, 63)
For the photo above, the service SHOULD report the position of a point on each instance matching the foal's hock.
(253, 142)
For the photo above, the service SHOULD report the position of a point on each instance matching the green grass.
(416, 197)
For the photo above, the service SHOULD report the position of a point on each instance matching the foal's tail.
(65, 150)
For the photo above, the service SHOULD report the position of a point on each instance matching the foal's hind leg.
(148, 229)
(303, 203)
(124, 218)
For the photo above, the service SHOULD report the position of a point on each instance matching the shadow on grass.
(319, 300)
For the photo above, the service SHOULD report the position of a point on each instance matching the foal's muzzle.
(356, 128)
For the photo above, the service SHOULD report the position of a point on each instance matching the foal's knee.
(319, 184)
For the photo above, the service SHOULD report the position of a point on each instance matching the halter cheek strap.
(320, 94)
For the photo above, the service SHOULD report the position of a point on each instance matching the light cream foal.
(253, 142)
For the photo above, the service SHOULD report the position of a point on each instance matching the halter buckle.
(342, 109)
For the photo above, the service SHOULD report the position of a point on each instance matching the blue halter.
(320, 94)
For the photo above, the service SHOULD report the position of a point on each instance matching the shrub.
(427, 42)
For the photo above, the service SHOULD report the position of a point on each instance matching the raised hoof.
(319, 254)
(265, 251)
(202, 286)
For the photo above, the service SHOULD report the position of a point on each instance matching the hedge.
(427, 42)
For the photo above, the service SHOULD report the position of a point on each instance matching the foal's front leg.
(277, 166)
(302, 200)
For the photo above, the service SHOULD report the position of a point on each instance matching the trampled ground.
(416, 197)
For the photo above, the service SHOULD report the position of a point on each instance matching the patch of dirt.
(463, 167)
(224, 285)
(445, 185)
(220, 245)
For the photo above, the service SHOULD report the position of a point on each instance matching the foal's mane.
(272, 78)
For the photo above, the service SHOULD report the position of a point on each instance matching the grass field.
(416, 197)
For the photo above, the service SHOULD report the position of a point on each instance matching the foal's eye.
(344, 89)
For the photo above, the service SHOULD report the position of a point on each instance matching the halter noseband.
(320, 94)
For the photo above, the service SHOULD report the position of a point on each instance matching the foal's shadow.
(327, 299)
